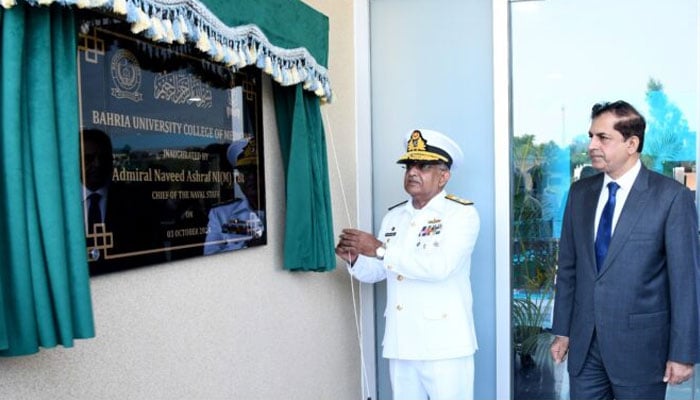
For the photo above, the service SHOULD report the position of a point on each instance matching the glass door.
(567, 56)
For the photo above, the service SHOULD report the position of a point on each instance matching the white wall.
(228, 326)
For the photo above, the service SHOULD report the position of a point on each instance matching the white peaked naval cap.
(424, 145)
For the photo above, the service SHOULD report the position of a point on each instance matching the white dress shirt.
(625, 181)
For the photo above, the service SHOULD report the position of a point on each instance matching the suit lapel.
(590, 200)
(632, 212)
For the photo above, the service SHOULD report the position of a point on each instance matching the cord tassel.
(219, 52)
(294, 75)
(228, 57)
(168, 29)
(268, 65)
(260, 62)
(203, 42)
(156, 32)
(119, 7)
(142, 22)
(241, 58)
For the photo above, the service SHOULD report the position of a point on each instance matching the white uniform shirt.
(427, 265)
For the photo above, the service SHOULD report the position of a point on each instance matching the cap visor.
(421, 156)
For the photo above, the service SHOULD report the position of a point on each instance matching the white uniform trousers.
(449, 379)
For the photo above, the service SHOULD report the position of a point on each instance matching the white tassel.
(169, 34)
(302, 74)
(277, 73)
(183, 26)
(7, 4)
(232, 58)
(319, 91)
(268, 65)
(119, 7)
(180, 31)
(97, 3)
(248, 56)
(203, 42)
(158, 31)
(142, 23)
(295, 75)
(241, 58)
(285, 75)
(307, 83)
(219, 52)
(253, 52)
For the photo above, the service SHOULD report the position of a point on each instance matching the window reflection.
(554, 87)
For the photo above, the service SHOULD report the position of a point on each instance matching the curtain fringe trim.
(189, 21)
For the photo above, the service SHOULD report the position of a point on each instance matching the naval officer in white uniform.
(423, 250)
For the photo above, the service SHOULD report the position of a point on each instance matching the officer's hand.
(345, 253)
(354, 242)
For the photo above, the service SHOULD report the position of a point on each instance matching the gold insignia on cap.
(249, 155)
(416, 142)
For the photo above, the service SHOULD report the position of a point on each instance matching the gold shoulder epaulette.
(398, 204)
(459, 200)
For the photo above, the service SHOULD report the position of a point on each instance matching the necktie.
(602, 240)
(94, 213)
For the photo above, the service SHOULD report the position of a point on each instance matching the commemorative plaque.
(172, 150)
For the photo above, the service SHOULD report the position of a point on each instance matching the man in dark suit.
(121, 231)
(626, 304)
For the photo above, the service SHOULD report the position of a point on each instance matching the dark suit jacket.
(643, 304)
(134, 229)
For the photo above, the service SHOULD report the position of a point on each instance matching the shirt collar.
(435, 202)
(627, 180)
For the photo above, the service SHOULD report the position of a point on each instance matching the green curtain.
(286, 23)
(308, 239)
(308, 244)
(44, 281)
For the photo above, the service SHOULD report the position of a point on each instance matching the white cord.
(358, 317)
(358, 327)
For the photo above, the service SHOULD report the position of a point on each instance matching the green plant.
(535, 251)
(533, 301)
(531, 339)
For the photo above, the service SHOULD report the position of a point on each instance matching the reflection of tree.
(537, 189)
(667, 137)
(578, 150)
(538, 186)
